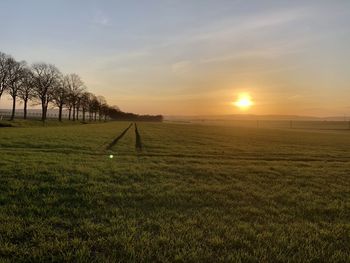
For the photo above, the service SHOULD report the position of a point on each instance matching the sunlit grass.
(195, 193)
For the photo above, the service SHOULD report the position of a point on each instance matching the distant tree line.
(43, 84)
(116, 114)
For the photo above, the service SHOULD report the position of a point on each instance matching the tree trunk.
(78, 113)
(95, 115)
(73, 112)
(60, 113)
(83, 115)
(13, 108)
(43, 114)
(25, 109)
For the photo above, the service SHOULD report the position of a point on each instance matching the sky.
(189, 57)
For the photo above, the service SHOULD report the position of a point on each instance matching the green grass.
(20, 123)
(195, 194)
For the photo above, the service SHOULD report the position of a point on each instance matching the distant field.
(196, 193)
(279, 124)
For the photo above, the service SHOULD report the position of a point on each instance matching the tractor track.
(138, 142)
(115, 141)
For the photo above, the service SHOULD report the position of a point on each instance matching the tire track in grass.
(138, 143)
(115, 141)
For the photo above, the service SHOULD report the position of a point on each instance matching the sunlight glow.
(243, 101)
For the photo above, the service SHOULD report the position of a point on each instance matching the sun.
(243, 102)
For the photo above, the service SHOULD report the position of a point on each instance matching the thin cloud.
(270, 50)
(249, 24)
(235, 28)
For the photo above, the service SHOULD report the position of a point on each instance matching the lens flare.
(111, 156)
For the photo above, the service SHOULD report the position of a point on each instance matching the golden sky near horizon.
(182, 58)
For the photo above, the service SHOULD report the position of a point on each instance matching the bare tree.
(45, 78)
(85, 100)
(79, 101)
(77, 106)
(101, 101)
(105, 110)
(16, 81)
(93, 107)
(76, 86)
(25, 93)
(4, 72)
(69, 105)
(44, 84)
(61, 96)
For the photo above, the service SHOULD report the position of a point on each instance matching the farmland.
(195, 193)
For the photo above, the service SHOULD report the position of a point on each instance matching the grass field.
(196, 193)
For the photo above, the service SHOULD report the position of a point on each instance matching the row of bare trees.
(44, 84)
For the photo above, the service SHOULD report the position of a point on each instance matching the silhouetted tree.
(16, 81)
(60, 96)
(76, 87)
(25, 93)
(69, 106)
(100, 102)
(116, 114)
(79, 101)
(93, 107)
(45, 78)
(105, 111)
(4, 72)
(84, 102)
(44, 83)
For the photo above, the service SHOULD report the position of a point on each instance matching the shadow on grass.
(115, 141)
(138, 144)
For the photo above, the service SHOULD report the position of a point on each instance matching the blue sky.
(192, 57)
